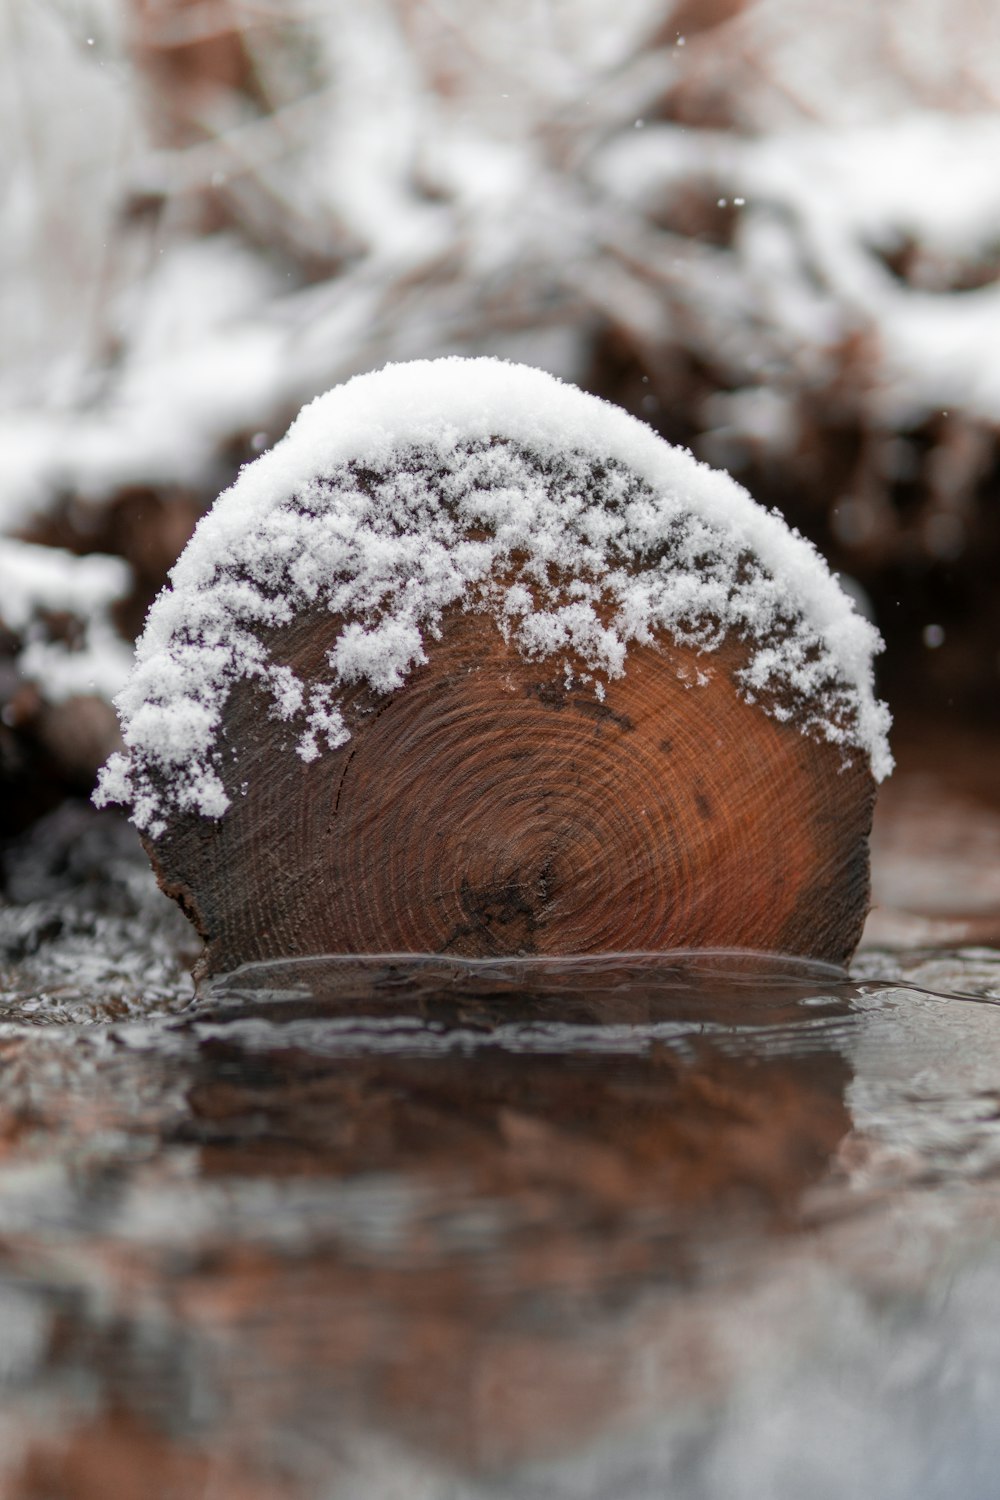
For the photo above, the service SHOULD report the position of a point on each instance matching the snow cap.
(489, 486)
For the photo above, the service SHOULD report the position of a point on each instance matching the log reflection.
(458, 1225)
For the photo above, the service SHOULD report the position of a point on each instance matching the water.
(708, 1226)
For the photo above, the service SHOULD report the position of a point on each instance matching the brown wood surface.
(486, 808)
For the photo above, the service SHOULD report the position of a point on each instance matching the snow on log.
(474, 663)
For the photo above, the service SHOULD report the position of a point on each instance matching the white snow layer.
(497, 487)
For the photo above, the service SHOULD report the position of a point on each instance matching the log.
(662, 744)
(486, 809)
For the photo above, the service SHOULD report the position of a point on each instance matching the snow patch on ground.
(36, 582)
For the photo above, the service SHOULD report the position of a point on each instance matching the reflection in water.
(704, 1226)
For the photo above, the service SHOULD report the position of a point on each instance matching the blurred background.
(770, 228)
(252, 1252)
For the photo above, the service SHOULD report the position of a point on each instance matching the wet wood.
(487, 808)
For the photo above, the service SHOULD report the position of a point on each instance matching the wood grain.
(486, 808)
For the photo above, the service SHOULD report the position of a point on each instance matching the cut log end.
(488, 808)
(496, 548)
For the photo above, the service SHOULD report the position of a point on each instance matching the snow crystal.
(496, 487)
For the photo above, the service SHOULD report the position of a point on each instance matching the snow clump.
(492, 487)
